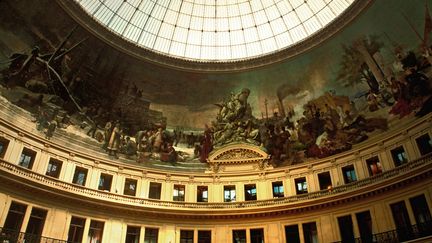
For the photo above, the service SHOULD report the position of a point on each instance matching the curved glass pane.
(215, 30)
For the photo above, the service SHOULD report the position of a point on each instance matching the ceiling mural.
(360, 82)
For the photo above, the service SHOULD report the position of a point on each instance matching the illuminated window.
(202, 194)
(278, 190)
(301, 185)
(179, 193)
(54, 168)
(250, 192)
(27, 158)
(349, 174)
(80, 176)
(229, 194)
(374, 166)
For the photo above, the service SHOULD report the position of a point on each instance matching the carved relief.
(237, 154)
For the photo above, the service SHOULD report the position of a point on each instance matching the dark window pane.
(132, 234)
(155, 190)
(349, 174)
(76, 230)
(422, 215)
(424, 144)
(401, 220)
(250, 192)
(4, 143)
(96, 231)
(105, 181)
(364, 221)
(186, 236)
(35, 225)
(204, 236)
(151, 235)
(399, 156)
(80, 176)
(346, 229)
(292, 234)
(15, 216)
(324, 180)
(202, 194)
(54, 168)
(310, 232)
(130, 187)
(239, 236)
(257, 235)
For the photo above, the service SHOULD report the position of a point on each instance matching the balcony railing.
(13, 236)
(404, 234)
(92, 193)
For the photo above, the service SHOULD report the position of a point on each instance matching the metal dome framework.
(215, 30)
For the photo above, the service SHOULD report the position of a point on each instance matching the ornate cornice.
(132, 49)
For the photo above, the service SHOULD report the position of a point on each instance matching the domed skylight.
(215, 30)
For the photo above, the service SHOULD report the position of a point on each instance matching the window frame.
(56, 162)
(200, 194)
(26, 152)
(77, 172)
(157, 194)
(347, 179)
(231, 189)
(250, 191)
(4, 144)
(104, 184)
(279, 185)
(179, 192)
(126, 190)
(304, 185)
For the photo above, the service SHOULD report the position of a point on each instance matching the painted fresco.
(370, 76)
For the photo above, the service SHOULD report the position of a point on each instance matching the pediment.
(238, 154)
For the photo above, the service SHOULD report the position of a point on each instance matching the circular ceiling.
(215, 30)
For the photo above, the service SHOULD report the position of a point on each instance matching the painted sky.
(305, 76)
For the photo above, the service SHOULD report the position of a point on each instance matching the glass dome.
(215, 30)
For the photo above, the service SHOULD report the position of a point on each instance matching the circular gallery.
(207, 121)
